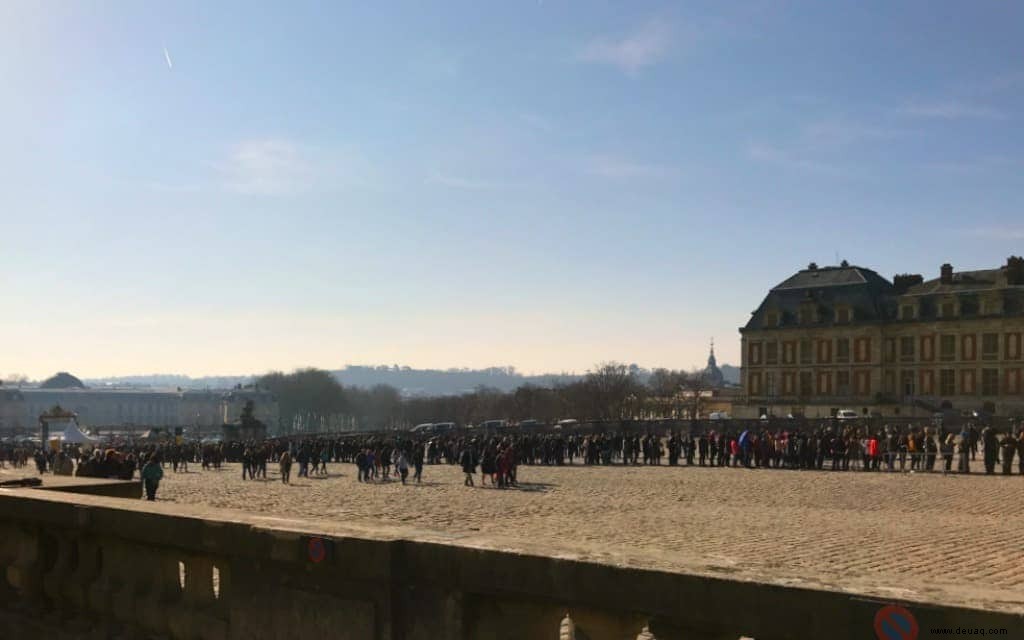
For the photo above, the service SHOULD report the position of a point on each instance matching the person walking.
(948, 445)
(1020, 450)
(401, 465)
(1009, 447)
(468, 462)
(362, 475)
(285, 463)
(963, 446)
(417, 462)
(152, 473)
(990, 441)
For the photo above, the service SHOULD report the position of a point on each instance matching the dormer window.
(907, 312)
(807, 313)
(948, 309)
(842, 315)
(991, 306)
(771, 318)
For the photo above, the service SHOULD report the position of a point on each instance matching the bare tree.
(612, 388)
(666, 387)
(695, 385)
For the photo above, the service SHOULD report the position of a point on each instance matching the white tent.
(74, 435)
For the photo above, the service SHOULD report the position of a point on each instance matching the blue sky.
(544, 184)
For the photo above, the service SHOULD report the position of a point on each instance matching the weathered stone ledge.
(132, 569)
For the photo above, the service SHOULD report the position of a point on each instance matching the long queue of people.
(383, 457)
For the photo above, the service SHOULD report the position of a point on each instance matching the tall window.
(947, 348)
(769, 384)
(948, 310)
(843, 350)
(862, 347)
(824, 383)
(968, 347)
(990, 382)
(788, 352)
(927, 348)
(824, 351)
(890, 349)
(1013, 346)
(755, 353)
(907, 349)
(1013, 377)
(947, 382)
(990, 346)
(805, 352)
(907, 383)
(862, 380)
(771, 352)
(927, 382)
(843, 383)
(967, 384)
(805, 383)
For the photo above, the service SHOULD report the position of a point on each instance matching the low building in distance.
(112, 407)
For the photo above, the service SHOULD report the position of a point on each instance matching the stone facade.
(845, 338)
(12, 409)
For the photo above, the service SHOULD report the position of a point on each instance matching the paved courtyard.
(915, 536)
(924, 537)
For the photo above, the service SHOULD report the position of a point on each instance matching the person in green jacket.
(151, 476)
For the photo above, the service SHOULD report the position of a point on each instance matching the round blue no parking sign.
(317, 549)
(893, 622)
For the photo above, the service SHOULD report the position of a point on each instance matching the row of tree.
(313, 400)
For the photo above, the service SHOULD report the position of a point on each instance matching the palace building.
(20, 408)
(844, 337)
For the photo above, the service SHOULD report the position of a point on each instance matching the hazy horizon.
(149, 374)
(242, 186)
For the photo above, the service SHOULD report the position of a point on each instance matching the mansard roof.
(867, 295)
(870, 298)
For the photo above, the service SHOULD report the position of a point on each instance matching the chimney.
(813, 266)
(1015, 270)
(946, 274)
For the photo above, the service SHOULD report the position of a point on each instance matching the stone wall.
(91, 566)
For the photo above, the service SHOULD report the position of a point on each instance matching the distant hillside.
(439, 382)
(730, 373)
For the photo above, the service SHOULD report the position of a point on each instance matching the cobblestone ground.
(954, 539)
(927, 537)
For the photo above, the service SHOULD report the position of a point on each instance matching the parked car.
(567, 424)
(847, 414)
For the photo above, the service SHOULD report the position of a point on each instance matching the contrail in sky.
(167, 56)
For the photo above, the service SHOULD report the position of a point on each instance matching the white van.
(846, 414)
